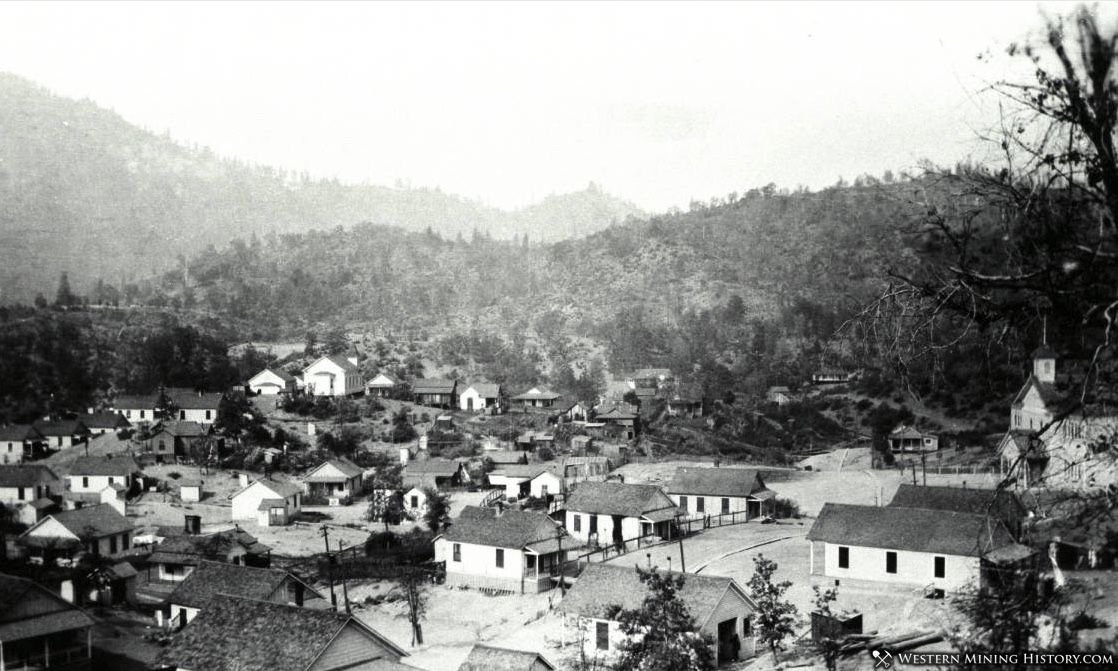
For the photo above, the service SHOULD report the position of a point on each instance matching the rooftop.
(347, 467)
(484, 657)
(912, 529)
(235, 634)
(26, 475)
(104, 420)
(957, 499)
(433, 386)
(28, 610)
(603, 586)
(97, 521)
(190, 549)
(615, 498)
(19, 432)
(61, 427)
(210, 579)
(716, 481)
(512, 529)
(106, 465)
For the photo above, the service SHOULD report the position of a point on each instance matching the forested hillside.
(85, 191)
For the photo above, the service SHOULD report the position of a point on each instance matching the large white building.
(1042, 448)
(333, 375)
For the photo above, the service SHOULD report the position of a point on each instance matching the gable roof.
(540, 393)
(913, 529)
(519, 470)
(602, 586)
(98, 521)
(383, 380)
(280, 487)
(195, 401)
(1049, 394)
(104, 420)
(484, 657)
(959, 500)
(338, 360)
(182, 429)
(137, 402)
(616, 412)
(512, 529)
(116, 464)
(437, 467)
(906, 431)
(25, 475)
(190, 549)
(485, 389)
(716, 481)
(433, 386)
(347, 467)
(278, 372)
(210, 579)
(61, 427)
(19, 432)
(236, 634)
(27, 610)
(616, 498)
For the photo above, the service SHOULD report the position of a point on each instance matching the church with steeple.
(1054, 442)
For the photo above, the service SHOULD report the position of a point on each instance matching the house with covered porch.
(510, 551)
(436, 393)
(906, 438)
(615, 513)
(41, 630)
(702, 492)
(334, 479)
(721, 609)
(536, 398)
(64, 537)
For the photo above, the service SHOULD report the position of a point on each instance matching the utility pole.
(913, 473)
(562, 564)
(924, 467)
(682, 562)
(325, 533)
(345, 588)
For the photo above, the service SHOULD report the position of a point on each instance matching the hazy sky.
(508, 102)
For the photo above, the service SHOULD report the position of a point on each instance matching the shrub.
(174, 475)
(786, 508)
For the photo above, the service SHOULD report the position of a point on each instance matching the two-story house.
(512, 551)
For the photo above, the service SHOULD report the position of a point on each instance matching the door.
(470, 403)
(729, 643)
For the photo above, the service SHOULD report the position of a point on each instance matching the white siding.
(630, 527)
(913, 568)
(11, 451)
(326, 378)
(481, 560)
(550, 480)
(247, 501)
(97, 483)
(712, 505)
(204, 416)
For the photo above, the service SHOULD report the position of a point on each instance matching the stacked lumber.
(856, 643)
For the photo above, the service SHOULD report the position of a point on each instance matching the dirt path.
(744, 549)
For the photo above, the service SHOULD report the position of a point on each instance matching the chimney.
(242, 478)
(193, 525)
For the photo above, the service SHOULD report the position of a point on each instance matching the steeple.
(1044, 364)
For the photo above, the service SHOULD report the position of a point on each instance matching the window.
(21, 494)
(85, 481)
(725, 506)
(209, 414)
(182, 414)
(112, 545)
(940, 567)
(110, 479)
(843, 557)
(500, 558)
(578, 522)
(700, 504)
(593, 524)
(124, 541)
(529, 561)
(457, 552)
(601, 632)
(543, 491)
(141, 414)
(890, 562)
(683, 502)
(414, 500)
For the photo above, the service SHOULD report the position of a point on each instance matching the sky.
(658, 103)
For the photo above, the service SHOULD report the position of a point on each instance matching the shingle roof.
(190, 549)
(512, 529)
(210, 579)
(269, 504)
(183, 429)
(141, 402)
(958, 500)
(247, 635)
(106, 465)
(194, 401)
(536, 393)
(104, 420)
(27, 475)
(282, 488)
(716, 481)
(615, 498)
(601, 586)
(486, 389)
(441, 467)
(347, 467)
(14, 432)
(99, 521)
(62, 427)
(433, 386)
(616, 412)
(913, 529)
(28, 609)
(489, 658)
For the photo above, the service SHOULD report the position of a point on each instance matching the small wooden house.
(272, 382)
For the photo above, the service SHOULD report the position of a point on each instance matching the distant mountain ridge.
(84, 191)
